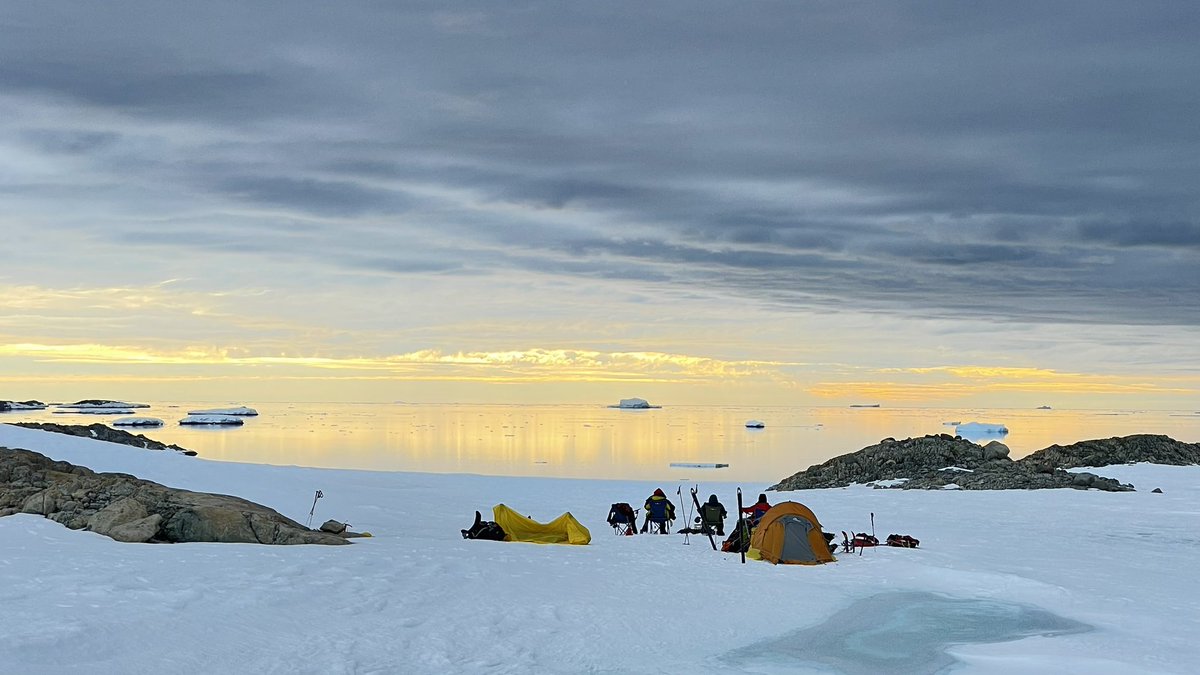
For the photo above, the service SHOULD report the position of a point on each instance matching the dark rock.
(127, 508)
(1154, 449)
(333, 526)
(923, 462)
(101, 432)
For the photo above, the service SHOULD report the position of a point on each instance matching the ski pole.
(679, 493)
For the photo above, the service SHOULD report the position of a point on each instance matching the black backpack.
(484, 530)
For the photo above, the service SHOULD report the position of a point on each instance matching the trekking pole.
(741, 525)
(872, 524)
(314, 507)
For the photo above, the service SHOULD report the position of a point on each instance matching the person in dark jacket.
(757, 509)
(712, 515)
(660, 511)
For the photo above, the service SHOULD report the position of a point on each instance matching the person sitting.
(756, 510)
(712, 515)
(659, 510)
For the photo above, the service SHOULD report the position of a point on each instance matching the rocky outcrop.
(7, 406)
(101, 432)
(940, 461)
(130, 509)
(1118, 450)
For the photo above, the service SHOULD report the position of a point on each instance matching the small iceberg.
(137, 422)
(698, 465)
(101, 404)
(216, 420)
(755, 424)
(1043, 407)
(951, 424)
(864, 405)
(634, 404)
(239, 411)
(973, 431)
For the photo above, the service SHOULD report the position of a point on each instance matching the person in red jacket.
(757, 509)
(660, 511)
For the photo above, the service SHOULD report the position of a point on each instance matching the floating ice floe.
(137, 422)
(95, 411)
(951, 424)
(755, 424)
(698, 465)
(634, 404)
(864, 405)
(974, 430)
(217, 420)
(239, 411)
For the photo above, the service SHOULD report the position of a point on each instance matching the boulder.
(127, 508)
(995, 450)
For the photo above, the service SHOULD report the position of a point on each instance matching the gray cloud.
(1027, 161)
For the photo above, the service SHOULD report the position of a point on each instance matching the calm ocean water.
(592, 441)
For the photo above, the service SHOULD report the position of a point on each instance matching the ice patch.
(956, 468)
(902, 633)
(887, 483)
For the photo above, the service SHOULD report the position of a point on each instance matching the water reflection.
(595, 441)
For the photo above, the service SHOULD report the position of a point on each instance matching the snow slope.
(417, 598)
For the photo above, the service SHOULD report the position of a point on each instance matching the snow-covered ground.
(1110, 575)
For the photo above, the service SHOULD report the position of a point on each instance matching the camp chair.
(623, 519)
(659, 518)
(710, 519)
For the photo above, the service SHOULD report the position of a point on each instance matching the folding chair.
(623, 519)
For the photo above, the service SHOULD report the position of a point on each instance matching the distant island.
(864, 405)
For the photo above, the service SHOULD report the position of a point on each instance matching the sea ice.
(137, 422)
(906, 632)
(94, 411)
(227, 420)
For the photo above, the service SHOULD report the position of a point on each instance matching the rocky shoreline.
(943, 461)
(102, 432)
(130, 509)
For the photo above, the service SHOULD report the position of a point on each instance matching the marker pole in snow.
(872, 524)
(741, 526)
(679, 492)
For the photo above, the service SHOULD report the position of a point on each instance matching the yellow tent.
(790, 534)
(562, 530)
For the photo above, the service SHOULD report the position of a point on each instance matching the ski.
(703, 526)
(741, 524)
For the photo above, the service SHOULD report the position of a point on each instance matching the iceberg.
(634, 404)
(755, 424)
(240, 411)
(698, 465)
(219, 420)
(976, 430)
(137, 422)
(94, 411)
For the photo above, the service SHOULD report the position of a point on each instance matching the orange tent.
(789, 533)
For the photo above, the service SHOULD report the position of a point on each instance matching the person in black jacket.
(712, 515)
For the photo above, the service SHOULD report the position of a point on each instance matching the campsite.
(1111, 598)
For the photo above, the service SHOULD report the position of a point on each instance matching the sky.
(801, 203)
